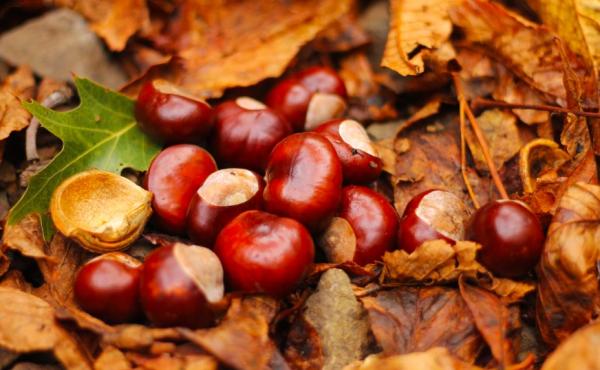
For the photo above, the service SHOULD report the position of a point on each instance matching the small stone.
(74, 48)
(340, 320)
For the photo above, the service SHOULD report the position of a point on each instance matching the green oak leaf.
(100, 133)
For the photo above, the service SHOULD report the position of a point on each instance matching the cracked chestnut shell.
(102, 211)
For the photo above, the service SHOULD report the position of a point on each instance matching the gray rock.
(58, 44)
(339, 318)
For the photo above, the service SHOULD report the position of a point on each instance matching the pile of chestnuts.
(294, 173)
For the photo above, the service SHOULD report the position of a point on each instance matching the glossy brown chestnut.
(304, 179)
(364, 229)
(173, 178)
(309, 97)
(180, 285)
(245, 132)
(224, 195)
(170, 115)
(511, 237)
(433, 214)
(107, 288)
(360, 161)
(264, 253)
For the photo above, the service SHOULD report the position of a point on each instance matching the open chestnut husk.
(102, 211)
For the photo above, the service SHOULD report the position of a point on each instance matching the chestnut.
(224, 195)
(511, 237)
(360, 161)
(309, 97)
(171, 116)
(364, 229)
(264, 253)
(173, 178)
(304, 179)
(245, 132)
(430, 215)
(107, 287)
(180, 285)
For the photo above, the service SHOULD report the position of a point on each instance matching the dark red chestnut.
(309, 97)
(264, 253)
(304, 179)
(511, 237)
(170, 115)
(180, 285)
(107, 287)
(224, 195)
(245, 132)
(360, 161)
(364, 229)
(431, 215)
(173, 178)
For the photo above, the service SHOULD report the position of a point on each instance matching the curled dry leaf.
(415, 24)
(527, 49)
(568, 294)
(26, 238)
(437, 358)
(542, 156)
(174, 361)
(303, 349)
(500, 130)
(579, 351)
(114, 20)
(408, 319)
(238, 44)
(439, 262)
(245, 328)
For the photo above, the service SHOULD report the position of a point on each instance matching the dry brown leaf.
(437, 358)
(111, 358)
(512, 90)
(439, 262)
(303, 349)
(27, 324)
(494, 321)
(26, 238)
(342, 35)
(568, 293)
(17, 87)
(542, 156)
(113, 20)
(433, 162)
(579, 351)
(414, 25)
(174, 361)
(238, 43)
(245, 328)
(431, 108)
(577, 22)
(500, 130)
(434, 261)
(527, 49)
(407, 320)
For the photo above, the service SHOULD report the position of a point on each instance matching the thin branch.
(463, 156)
(487, 103)
(480, 138)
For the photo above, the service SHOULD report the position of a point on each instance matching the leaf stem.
(480, 138)
(487, 103)
(463, 156)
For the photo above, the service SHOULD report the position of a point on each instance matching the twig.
(480, 138)
(463, 156)
(487, 103)
(56, 98)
